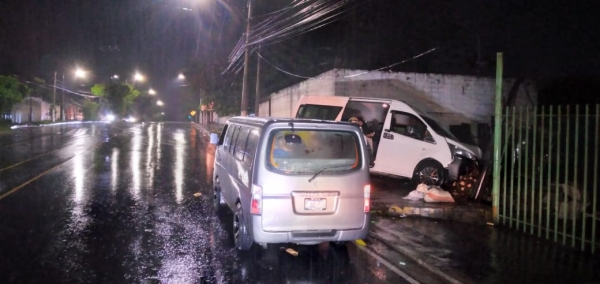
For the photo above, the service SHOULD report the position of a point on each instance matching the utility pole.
(54, 99)
(257, 100)
(62, 99)
(30, 110)
(244, 110)
(497, 139)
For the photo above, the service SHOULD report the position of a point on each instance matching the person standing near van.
(368, 133)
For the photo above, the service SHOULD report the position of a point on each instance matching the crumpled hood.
(476, 151)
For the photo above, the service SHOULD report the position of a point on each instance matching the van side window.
(408, 125)
(251, 147)
(223, 135)
(229, 137)
(240, 144)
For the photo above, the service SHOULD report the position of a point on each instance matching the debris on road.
(291, 251)
(360, 243)
(197, 194)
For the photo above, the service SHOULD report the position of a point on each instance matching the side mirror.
(214, 138)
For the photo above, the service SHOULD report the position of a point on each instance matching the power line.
(311, 15)
(353, 75)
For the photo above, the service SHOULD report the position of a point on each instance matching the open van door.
(321, 107)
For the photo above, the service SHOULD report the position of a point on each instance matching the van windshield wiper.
(327, 168)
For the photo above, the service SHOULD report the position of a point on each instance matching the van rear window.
(311, 151)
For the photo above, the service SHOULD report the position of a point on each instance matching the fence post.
(497, 139)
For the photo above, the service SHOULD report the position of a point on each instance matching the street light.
(181, 76)
(138, 77)
(151, 92)
(159, 103)
(80, 73)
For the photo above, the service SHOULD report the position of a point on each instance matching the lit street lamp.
(159, 103)
(80, 73)
(138, 77)
(151, 92)
(181, 76)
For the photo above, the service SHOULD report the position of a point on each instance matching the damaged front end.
(464, 161)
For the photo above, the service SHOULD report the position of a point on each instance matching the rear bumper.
(308, 237)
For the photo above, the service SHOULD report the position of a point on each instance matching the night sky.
(541, 40)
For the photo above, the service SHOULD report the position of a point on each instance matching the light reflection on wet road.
(115, 204)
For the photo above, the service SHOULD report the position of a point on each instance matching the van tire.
(217, 196)
(241, 238)
(429, 172)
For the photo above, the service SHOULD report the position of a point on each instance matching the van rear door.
(319, 186)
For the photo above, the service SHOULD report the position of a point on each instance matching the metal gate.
(549, 173)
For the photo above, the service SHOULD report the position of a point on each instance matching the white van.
(292, 180)
(407, 143)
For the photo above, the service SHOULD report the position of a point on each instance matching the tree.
(119, 96)
(11, 92)
(90, 110)
(145, 107)
(217, 89)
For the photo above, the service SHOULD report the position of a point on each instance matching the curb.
(478, 215)
(420, 258)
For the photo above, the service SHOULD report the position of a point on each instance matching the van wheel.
(429, 173)
(217, 196)
(240, 233)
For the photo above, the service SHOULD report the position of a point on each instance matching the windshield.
(438, 128)
(334, 151)
(318, 112)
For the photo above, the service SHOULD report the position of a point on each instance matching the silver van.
(292, 180)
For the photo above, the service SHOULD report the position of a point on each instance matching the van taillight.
(367, 191)
(256, 202)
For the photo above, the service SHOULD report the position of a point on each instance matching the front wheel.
(429, 173)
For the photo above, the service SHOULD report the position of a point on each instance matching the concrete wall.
(283, 102)
(451, 98)
(454, 99)
(39, 110)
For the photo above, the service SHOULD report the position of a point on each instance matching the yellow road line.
(40, 155)
(33, 179)
(43, 173)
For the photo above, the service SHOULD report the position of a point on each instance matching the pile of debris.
(429, 194)
(465, 185)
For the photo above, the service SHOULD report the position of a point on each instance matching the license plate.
(315, 204)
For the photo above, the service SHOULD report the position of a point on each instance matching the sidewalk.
(387, 198)
(466, 253)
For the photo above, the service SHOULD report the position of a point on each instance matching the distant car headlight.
(131, 119)
(110, 117)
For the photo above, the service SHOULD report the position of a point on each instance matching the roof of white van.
(260, 121)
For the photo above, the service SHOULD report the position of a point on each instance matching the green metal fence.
(549, 173)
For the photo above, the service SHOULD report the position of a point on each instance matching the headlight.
(457, 151)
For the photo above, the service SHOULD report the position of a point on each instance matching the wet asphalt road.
(101, 203)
